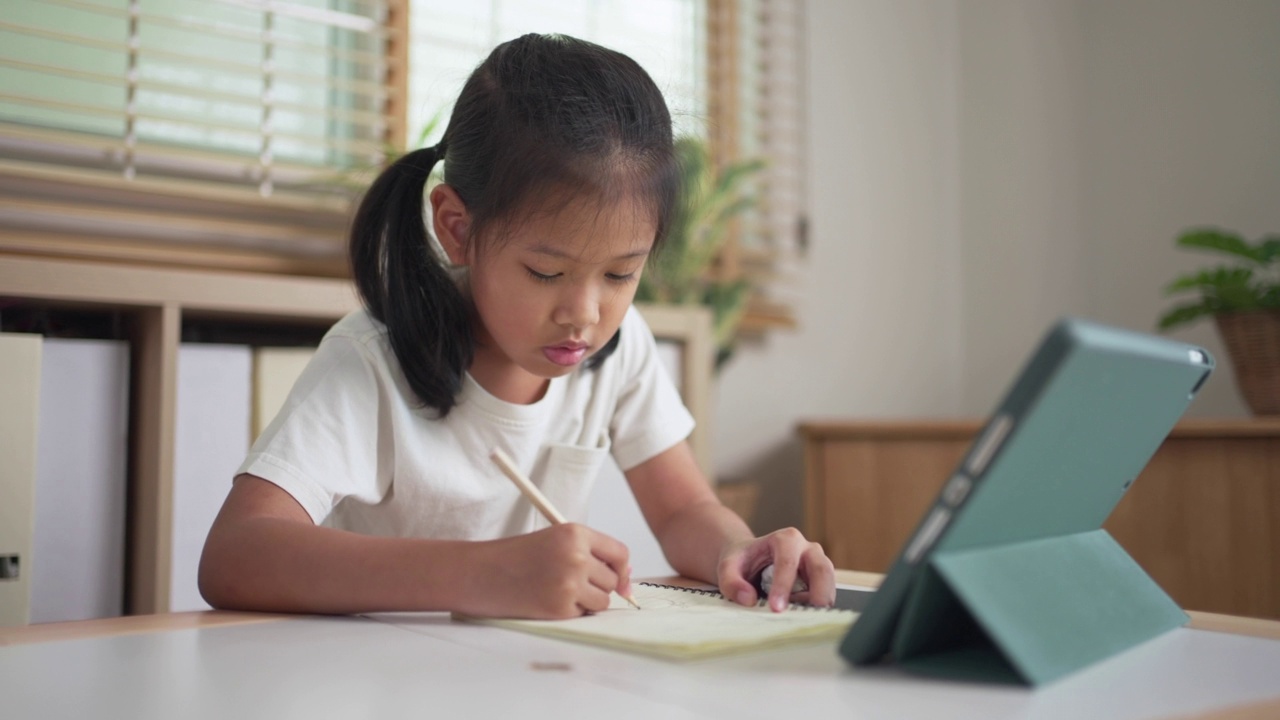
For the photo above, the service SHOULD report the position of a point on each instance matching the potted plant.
(681, 273)
(1243, 297)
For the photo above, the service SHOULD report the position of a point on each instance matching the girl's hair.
(545, 119)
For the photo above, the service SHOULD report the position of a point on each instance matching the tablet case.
(1010, 576)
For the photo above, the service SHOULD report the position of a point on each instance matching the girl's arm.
(264, 553)
(705, 540)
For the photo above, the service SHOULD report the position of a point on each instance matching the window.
(126, 119)
(448, 39)
(235, 132)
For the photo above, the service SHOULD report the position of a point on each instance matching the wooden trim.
(1265, 710)
(397, 54)
(858, 577)
(815, 528)
(236, 294)
(962, 429)
(724, 108)
(1234, 624)
(889, 429)
(723, 100)
(150, 534)
(691, 326)
(129, 625)
(60, 246)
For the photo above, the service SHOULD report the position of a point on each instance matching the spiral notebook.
(680, 623)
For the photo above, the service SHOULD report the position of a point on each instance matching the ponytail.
(406, 287)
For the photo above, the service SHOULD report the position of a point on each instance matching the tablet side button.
(957, 490)
(989, 443)
(929, 532)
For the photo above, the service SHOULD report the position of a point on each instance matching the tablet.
(1082, 419)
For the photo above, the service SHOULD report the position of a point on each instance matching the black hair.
(544, 118)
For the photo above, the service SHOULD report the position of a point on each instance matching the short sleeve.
(650, 417)
(323, 446)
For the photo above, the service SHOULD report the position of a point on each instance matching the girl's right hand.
(560, 572)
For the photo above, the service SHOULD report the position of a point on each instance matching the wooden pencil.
(535, 496)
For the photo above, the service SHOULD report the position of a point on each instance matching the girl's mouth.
(565, 354)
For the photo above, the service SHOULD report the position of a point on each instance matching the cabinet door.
(19, 408)
(79, 538)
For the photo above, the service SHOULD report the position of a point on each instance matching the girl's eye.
(541, 277)
(614, 277)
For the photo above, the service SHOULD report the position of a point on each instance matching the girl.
(373, 490)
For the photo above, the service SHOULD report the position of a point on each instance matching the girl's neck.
(505, 380)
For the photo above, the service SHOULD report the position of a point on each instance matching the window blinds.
(757, 102)
(116, 115)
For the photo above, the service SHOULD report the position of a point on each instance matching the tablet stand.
(1029, 612)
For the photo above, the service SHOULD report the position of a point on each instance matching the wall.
(981, 167)
(879, 302)
(1181, 127)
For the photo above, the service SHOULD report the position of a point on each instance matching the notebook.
(680, 623)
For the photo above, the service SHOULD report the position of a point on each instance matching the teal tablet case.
(1010, 576)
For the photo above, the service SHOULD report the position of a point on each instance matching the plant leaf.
(1213, 281)
(1184, 314)
(1221, 241)
(1269, 249)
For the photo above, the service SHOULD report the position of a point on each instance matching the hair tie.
(440, 148)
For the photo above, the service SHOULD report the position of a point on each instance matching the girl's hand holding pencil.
(559, 572)
(604, 564)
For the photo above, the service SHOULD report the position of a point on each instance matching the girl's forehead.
(587, 230)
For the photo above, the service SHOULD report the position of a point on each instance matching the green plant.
(1251, 283)
(680, 273)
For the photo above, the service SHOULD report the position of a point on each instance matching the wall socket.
(8, 567)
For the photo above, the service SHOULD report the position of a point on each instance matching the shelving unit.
(156, 301)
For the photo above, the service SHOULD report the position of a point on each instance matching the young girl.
(373, 488)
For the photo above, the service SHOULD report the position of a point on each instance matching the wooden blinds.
(127, 118)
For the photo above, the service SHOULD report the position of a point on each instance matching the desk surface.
(197, 665)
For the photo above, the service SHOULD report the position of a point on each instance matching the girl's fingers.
(820, 575)
(602, 577)
(785, 567)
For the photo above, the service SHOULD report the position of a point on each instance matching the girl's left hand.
(792, 557)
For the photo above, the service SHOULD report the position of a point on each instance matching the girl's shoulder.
(359, 326)
(357, 334)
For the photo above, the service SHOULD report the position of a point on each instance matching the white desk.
(223, 665)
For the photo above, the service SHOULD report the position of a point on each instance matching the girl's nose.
(578, 307)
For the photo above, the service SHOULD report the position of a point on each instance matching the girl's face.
(553, 292)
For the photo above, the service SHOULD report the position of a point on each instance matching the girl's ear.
(451, 223)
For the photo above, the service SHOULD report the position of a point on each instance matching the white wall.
(981, 167)
(1181, 127)
(880, 309)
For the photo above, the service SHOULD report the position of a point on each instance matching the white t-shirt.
(353, 447)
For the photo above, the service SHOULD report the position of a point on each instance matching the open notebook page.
(686, 624)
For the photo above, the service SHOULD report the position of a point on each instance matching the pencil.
(540, 501)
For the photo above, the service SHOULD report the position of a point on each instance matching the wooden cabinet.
(1203, 518)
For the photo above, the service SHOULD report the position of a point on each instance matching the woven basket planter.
(1253, 344)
